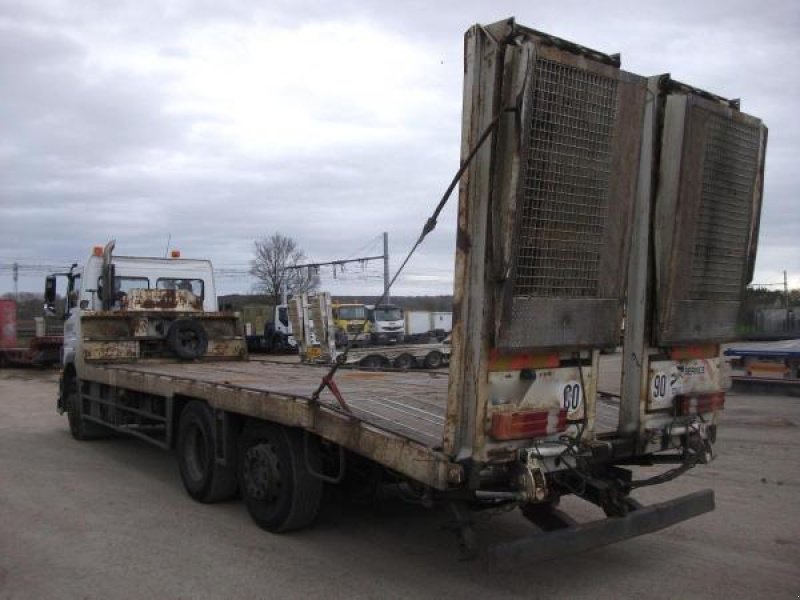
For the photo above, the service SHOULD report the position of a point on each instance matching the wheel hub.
(262, 474)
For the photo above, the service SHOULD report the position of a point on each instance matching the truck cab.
(387, 324)
(351, 322)
(148, 300)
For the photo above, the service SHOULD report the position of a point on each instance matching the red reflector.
(702, 403)
(527, 424)
(698, 351)
(517, 362)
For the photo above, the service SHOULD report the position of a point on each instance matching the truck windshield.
(386, 313)
(351, 313)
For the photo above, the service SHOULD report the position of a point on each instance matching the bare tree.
(274, 257)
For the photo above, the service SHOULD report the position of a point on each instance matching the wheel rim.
(372, 362)
(262, 473)
(188, 340)
(404, 361)
(434, 360)
(196, 452)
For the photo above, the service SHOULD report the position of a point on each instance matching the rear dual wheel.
(276, 485)
(434, 360)
(404, 361)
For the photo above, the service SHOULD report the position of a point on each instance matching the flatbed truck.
(598, 188)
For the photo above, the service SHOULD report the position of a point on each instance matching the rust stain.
(463, 240)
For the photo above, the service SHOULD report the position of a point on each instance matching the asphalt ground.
(110, 519)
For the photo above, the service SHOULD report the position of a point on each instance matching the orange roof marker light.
(175, 253)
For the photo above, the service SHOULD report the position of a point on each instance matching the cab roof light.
(175, 253)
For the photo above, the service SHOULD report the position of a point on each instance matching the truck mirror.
(50, 289)
(50, 295)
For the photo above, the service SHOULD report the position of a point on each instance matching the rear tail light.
(701, 403)
(528, 424)
(696, 351)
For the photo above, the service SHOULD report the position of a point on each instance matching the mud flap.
(580, 538)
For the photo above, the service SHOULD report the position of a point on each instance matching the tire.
(434, 360)
(204, 479)
(81, 429)
(373, 361)
(187, 339)
(279, 492)
(404, 361)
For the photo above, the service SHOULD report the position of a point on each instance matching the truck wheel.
(204, 479)
(81, 429)
(279, 491)
(404, 361)
(373, 361)
(187, 339)
(434, 360)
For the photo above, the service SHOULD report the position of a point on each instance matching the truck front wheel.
(279, 491)
(81, 429)
(205, 480)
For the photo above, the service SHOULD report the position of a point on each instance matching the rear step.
(580, 538)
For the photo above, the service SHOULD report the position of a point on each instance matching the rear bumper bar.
(580, 538)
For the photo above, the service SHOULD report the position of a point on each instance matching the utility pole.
(785, 301)
(386, 266)
(16, 280)
(785, 292)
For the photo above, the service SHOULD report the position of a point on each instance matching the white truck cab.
(87, 290)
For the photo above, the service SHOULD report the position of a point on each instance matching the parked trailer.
(402, 356)
(544, 264)
(41, 351)
(771, 367)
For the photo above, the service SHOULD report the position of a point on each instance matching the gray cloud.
(219, 124)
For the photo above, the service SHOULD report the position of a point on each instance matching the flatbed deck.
(396, 418)
(411, 404)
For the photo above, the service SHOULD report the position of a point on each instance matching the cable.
(429, 226)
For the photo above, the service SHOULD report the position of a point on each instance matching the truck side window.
(283, 316)
(196, 286)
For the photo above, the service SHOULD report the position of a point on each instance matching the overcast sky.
(215, 123)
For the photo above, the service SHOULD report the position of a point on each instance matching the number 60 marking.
(572, 396)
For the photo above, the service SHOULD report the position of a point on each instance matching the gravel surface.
(109, 519)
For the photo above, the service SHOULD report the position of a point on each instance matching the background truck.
(588, 168)
(326, 347)
(351, 322)
(386, 324)
(267, 328)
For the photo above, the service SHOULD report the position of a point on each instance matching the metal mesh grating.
(564, 199)
(724, 216)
